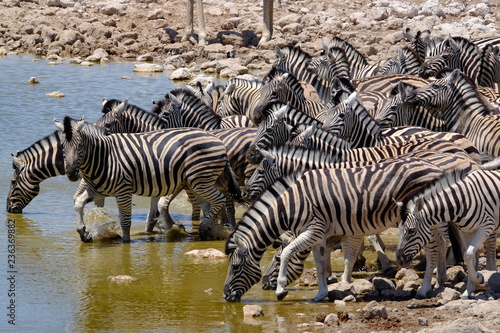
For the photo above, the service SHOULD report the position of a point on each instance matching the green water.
(61, 284)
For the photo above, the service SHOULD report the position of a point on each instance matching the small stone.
(349, 298)
(380, 283)
(33, 80)
(122, 278)
(449, 295)
(331, 319)
(374, 309)
(182, 74)
(56, 94)
(423, 321)
(209, 291)
(252, 311)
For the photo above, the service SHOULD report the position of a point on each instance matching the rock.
(252, 311)
(113, 8)
(361, 286)
(455, 274)
(492, 280)
(61, 3)
(339, 290)
(449, 295)
(481, 10)
(182, 74)
(374, 309)
(206, 253)
(423, 321)
(56, 94)
(97, 55)
(331, 319)
(381, 283)
(148, 68)
(396, 294)
(145, 57)
(69, 37)
(407, 279)
(122, 278)
(349, 298)
(33, 80)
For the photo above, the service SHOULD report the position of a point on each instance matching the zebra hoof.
(205, 233)
(281, 296)
(85, 236)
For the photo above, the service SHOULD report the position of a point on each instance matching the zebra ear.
(453, 45)
(325, 45)
(351, 99)
(120, 108)
(104, 101)
(306, 134)
(18, 163)
(173, 99)
(240, 244)
(279, 54)
(419, 204)
(281, 112)
(209, 87)
(59, 125)
(80, 123)
(229, 89)
(271, 158)
(454, 76)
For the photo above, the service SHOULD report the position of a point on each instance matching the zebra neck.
(44, 158)
(98, 151)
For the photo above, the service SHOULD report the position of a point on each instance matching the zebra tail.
(233, 186)
(491, 165)
(456, 243)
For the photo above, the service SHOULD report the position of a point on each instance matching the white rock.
(97, 55)
(148, 68)
(206, 253)
(56, 94)
(374, 309)
(182, 74)
(252, 311)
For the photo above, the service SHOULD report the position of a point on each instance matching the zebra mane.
(109, 104)
(256, 84)
(28, 153)
(351, 53)
(294, 55)
(253, 216)
(289, 78)
(86, 128)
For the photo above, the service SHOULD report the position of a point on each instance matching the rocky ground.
(89, 31)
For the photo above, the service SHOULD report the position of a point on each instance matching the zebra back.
(42, 160)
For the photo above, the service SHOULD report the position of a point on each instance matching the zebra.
(40, 161)
(152, 164)
(295, 61)
(393, 112)
(240, 98)
(456, 101)
(419, 42)
(333, 64)
(335, 205)
(283, 87)
(359, 67)
(471, 201)
(185, 109)
(407, 61)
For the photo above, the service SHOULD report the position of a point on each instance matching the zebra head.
(112, 118)
(274, 89)
(436, 95)
(414, 233)
(243, 269)
(273, 131)
(171, 112)
(265, 174)
(21, 191)
(72, 146)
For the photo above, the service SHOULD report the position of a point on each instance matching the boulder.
(252, 311)
(381, 283)
(206, 253)
(148, 68)
(372, 310)
(97, 55)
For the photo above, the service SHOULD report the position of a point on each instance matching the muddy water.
(59, 284)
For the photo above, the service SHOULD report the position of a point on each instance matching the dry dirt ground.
(17, 18)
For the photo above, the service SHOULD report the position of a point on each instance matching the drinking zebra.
(471, 201)
(40, 161)
(152, 164)
(319, 204)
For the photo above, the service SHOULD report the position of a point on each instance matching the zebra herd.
(325, 150)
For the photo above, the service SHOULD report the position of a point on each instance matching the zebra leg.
(474, 278)
(320, 261)
(351, 249)
(230, 212)
(434, 257)
(305, 240)
(215, 199)
(152, 215)
(163, 208)
(195, 215)
(379, 247)
(124, 202)
(490, 246)
(80, 201)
